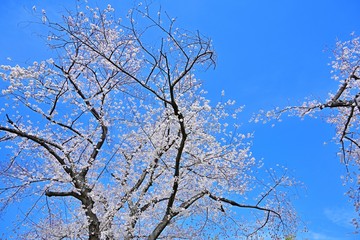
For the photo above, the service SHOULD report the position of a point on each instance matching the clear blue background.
(269, 53)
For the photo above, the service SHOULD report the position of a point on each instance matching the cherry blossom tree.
(114, 138)
(342, 110)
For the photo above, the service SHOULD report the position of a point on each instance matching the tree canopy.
(114, 138)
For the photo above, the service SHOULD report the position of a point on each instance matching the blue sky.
(269, 53)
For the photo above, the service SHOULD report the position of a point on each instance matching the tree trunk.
(94, 223)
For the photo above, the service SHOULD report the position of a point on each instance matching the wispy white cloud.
(320, 236)
(338, 225)
(340, 216)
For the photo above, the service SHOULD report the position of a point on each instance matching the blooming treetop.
(113, 138)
